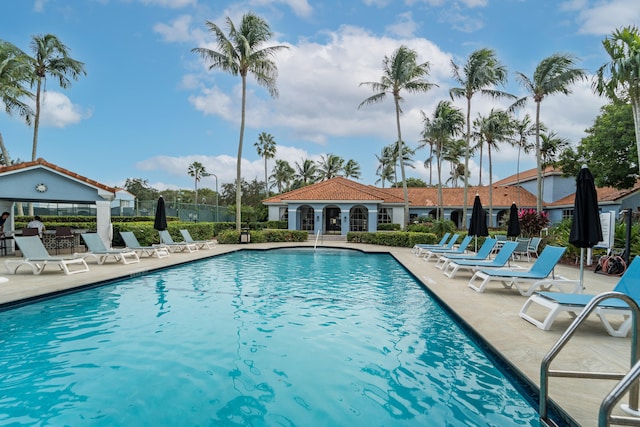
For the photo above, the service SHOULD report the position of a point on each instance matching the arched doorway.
(502, 217)
(358, 218)
(332, 223)
(307, 222)
(456, 217)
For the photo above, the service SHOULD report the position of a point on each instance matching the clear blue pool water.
(276, 338)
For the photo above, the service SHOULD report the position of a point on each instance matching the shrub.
(532, 222)
(389, 227)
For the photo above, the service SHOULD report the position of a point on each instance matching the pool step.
(328, 238)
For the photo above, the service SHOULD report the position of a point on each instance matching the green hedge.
(389, 227)
(264, 236)
(393, 238)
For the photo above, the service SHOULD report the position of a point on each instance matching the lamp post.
(216, 177)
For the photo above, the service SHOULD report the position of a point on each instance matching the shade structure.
(160, 220)
(513, 226)
(586, 230)
(478, 224)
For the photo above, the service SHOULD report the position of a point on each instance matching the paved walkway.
(493, 314)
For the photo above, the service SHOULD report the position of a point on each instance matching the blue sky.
(148, 107)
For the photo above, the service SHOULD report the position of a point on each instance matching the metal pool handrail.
(628, 382)
(317, 237)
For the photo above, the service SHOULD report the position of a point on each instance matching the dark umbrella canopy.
(513, 226)
(586, 230)
(160, 221)
(478, 224)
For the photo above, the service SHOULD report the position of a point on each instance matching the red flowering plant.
(532, 221)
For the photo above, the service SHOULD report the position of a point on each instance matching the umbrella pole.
(581, 269)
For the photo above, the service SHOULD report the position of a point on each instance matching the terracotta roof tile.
(605, 194)
(42, 162)
(336, 189)
(527, 175)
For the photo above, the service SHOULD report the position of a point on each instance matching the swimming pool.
(283, 337)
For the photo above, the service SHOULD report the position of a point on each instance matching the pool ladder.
(627, 382)
(317, 237)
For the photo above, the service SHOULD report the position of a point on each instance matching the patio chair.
(167, 241)
(99, 251)
(131, 242)
(447, 246)
(482, 254)
(30, 231)
(537, 275)
(201, 244)
(461, 249)
(534, 244)
(37, 258)
(500, 260)
(574, 303)
(64, 238)
(441, 243)
(500, 239)
(522, 249)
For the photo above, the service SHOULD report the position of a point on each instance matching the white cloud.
(299, 7)
(177, 31)
(404, 26)
(173, 4)
(606, 16)
(58, 111)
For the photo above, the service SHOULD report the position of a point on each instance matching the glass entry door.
(332, 221)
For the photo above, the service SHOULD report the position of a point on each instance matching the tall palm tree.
(50, 58)
(351, 169)
(306, 171)
(283, 175)
(553, 75)
(330, 166)
(495, 128)
(453, 154)
(243, 52)
(438, 133)
(385, 169)
(14, 77)
(197, 171)
(401, 71)
(523, 129)
(481, 73)
(620, 77)
(266, 147)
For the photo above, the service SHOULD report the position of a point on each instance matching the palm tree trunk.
(518, 173)
(36, 123)
(480, 173)
(5, 153)
(538, 160)
(635, 107)
(239, 163)
(440, 198)
(266, 179)
(490, 186)
(405, 191)
(466, 166)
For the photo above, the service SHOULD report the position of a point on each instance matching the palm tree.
(523, 129)
(306, 171)
(14, 76)
(385, 170)
(283, 175)
(351, 169)
(452, 153)
(481, 73)
(330, 166)
(50, 58)
(553, 75)
(438, 133)
(494, 128)
(243, 52)
(197, 171)
(266, 147)
(400, 71)
(620, 78)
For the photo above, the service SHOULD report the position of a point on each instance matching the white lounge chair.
(461, 249)
(99, 251)
(131, 242)
(447, 246)
(501, 259)
(573, 304)
(167, 241)
(201, 244)
(37, 258)
(441, 243)
(482, 254)
(537, 275)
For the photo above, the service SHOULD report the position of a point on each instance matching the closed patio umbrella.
(586, 230)
(160, 220)
(513, 226)
(478, 224)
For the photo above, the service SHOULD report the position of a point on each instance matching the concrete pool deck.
(492, 314)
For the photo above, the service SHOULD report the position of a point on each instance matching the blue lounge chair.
(37, 258)
(461, 249)
(447, 246)
(131, 242)
(99, 251)
(500, 260)
(441, 243)
(201, 244)
(166, 241)
(556, 302)
(482, 254)
(537, 274)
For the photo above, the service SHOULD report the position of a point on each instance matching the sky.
(149, 107)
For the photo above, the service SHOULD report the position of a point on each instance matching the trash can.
(245, 237)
